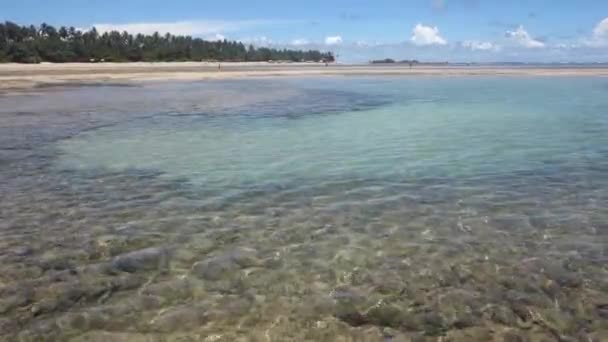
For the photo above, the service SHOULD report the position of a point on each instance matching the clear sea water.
(465, 208)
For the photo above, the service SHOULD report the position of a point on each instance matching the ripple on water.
(377, 224)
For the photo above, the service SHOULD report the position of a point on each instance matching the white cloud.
(300, 42)
(480, 46)
(565, 46)
(257, 41)
(601, 30)
(600, 35)
(363, 43)
(191, 28)
(427, 35)
(521, 37)
(215, 37)
(333, 40)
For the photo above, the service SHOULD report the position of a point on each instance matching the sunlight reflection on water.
(356, 208)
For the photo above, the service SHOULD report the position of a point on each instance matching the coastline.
(17, 77)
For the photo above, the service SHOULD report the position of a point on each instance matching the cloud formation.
(257, 41)
(521, 37)
(333, 40)
(600, 35)
(474, 45)
(215, 37)
(427, 35)
(601, 30)
(365, 44)
(300, 42)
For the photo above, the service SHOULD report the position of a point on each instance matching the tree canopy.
(45, 43)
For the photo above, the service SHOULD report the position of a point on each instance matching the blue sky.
(437, 30)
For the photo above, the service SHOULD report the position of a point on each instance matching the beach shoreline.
(16, 77)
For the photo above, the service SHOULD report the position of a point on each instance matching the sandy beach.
(15, 77)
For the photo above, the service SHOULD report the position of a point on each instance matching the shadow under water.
(404, 209)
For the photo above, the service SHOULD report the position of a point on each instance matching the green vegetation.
(31, 44)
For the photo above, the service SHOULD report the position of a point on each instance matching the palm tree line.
(45, 43)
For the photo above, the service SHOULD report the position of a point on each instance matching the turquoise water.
(380, 209)
(453, 128)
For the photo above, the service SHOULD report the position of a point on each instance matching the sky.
(356, 30)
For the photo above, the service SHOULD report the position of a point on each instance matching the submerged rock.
(245, 257)
(350, 315)
(72, 321)
(386, 316)
(52, 262)
(44, 330)
(469, 334)
(512, 336)
(103, 336)
(602, 310)
(180, 318)
(7, 326)
(347, 294)
(148, 259)
(46, 305)
(434, 324)
(18, 299)
(126, 282)
(219, 266)
(171, 291)
(214, 268)
(501, 315)
(22, 251)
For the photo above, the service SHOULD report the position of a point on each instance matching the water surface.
(314, 209)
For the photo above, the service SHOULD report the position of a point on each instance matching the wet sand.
(20, 76)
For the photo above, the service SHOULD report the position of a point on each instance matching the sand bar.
(26, 76)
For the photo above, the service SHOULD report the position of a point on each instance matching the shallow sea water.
(313, 209)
